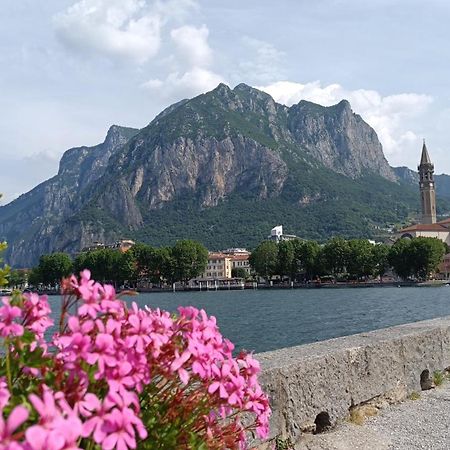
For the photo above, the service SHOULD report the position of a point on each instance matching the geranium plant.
(120, 377)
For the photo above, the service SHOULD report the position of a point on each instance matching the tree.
(122, 267)
(399, 258)
(167, 265)
(34, 277)
(52, 268)
(148, 262)
(189, 259)
(306, 258)
(95, 261)
(361, 262)
(285, 259)
(425, 254)
(381, 260)
(143, 255)
(4, 271)
(264, 259)
(17, 278)
(239, 272)
(109, 265)
(335, 254)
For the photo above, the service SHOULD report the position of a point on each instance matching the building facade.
(240, 259)
(218, 267)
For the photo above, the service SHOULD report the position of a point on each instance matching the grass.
(438, 377)
(359, 414)
(414, 395)
(283, 444)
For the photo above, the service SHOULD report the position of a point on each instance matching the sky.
(70, 69)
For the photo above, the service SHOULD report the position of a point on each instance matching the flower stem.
(8, 365)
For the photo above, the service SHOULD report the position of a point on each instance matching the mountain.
(30, 222)
(223, 168)
(410, 177)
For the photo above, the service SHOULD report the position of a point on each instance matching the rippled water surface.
(263, 320)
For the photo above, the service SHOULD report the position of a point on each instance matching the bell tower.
(427, 191)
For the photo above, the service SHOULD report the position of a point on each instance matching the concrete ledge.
(332, 376)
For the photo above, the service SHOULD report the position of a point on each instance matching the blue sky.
(70, 69)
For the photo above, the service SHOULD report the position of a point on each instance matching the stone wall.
(312, 384)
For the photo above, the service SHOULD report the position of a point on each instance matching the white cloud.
(192, 44)
(177, 10)
(193, 75)
(126, 29)
(192, 82)
(393, 117)
(264, 61)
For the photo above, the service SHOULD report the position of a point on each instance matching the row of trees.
(297, 259)
(185, 260)
(347, 259)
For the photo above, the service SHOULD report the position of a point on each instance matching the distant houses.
(122, 245)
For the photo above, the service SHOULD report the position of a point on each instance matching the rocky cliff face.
(31, 223)
(226, 144)
(339, 139)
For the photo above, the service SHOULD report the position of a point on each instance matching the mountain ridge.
(208, 156)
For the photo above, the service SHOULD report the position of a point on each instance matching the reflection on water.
(269, 319)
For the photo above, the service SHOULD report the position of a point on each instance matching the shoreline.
(337, 285)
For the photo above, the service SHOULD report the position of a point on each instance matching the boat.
(4, 292)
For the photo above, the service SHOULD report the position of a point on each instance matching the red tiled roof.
(239, 257)
(425, 227)
(217, 256)
(445, 221)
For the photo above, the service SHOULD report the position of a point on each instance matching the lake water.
(260, 320)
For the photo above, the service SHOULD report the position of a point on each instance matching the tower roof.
(425, 158)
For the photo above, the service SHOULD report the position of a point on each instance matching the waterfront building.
(240, 259)
(219, 266)
(218, 273)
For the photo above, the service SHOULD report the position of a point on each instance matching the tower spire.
(425, 159)
(426, 183)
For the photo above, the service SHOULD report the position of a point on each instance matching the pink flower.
(120, 428)
(36, 311)
(138, 334)
(103, 363)
(92, 408)
(104, 353)
(4, 393)
(177, 364)
(77, 343)
(8, 328)
(58, 428)
(15, 419)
